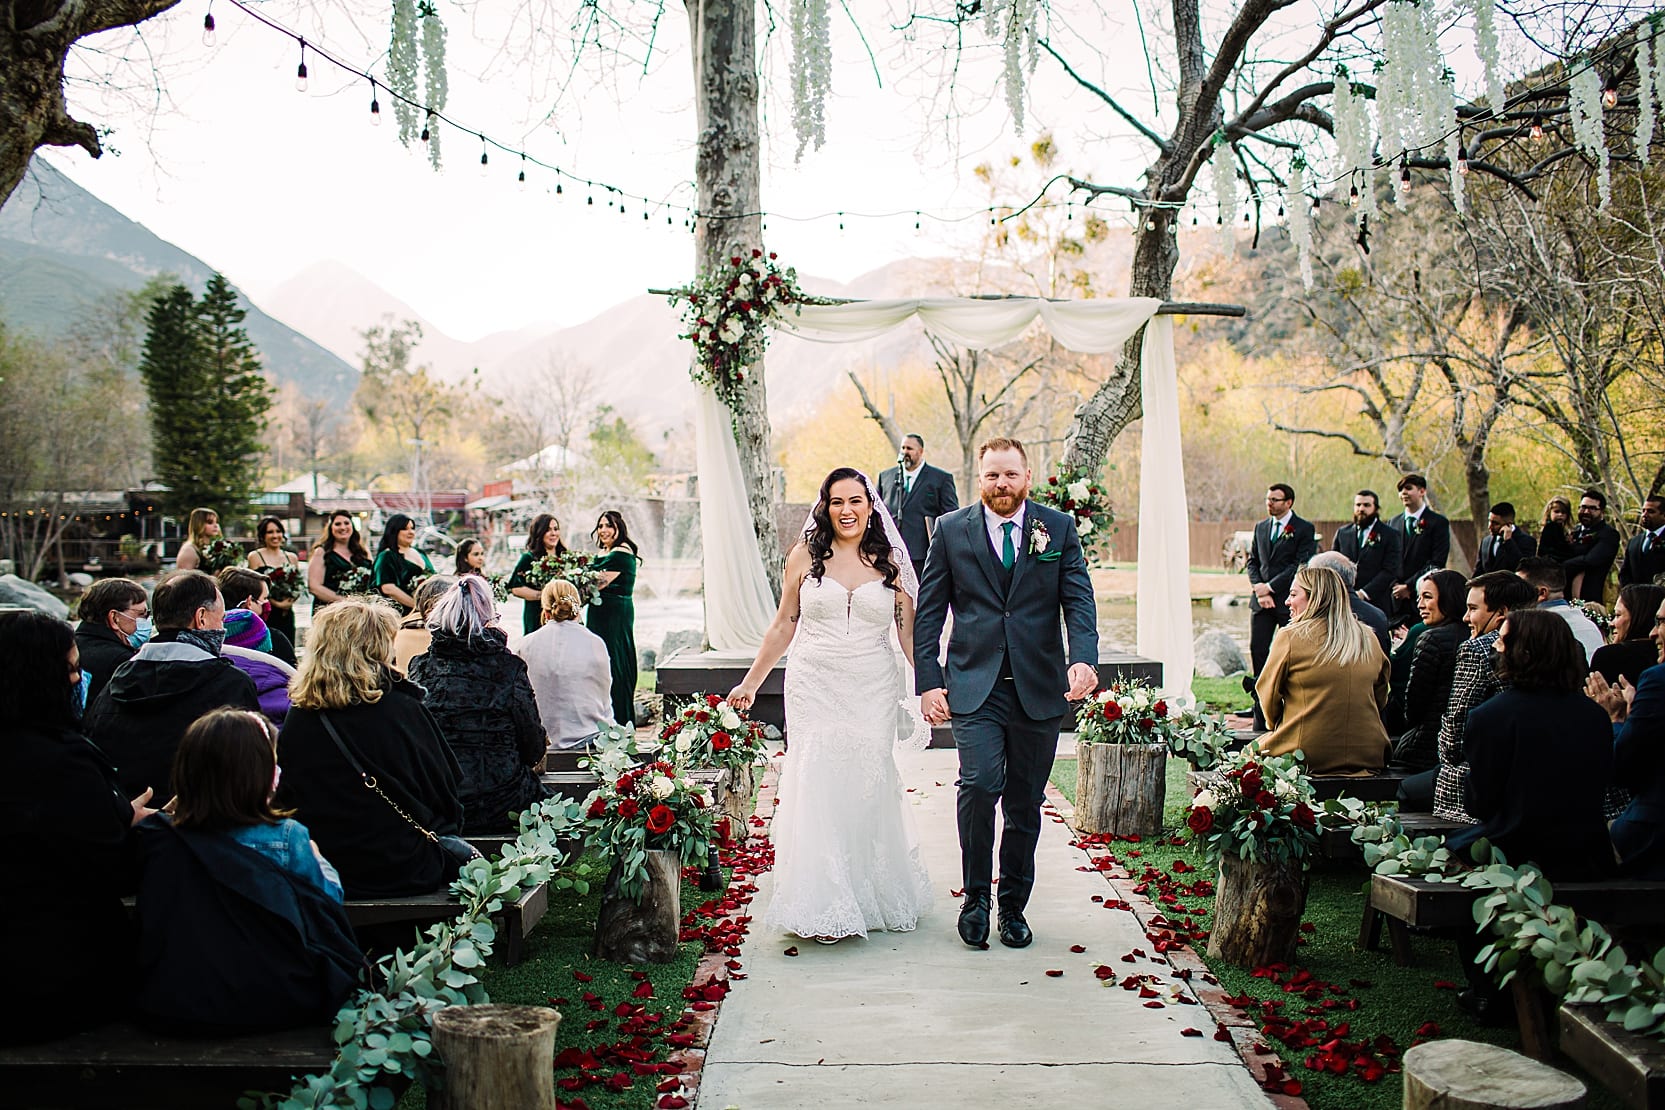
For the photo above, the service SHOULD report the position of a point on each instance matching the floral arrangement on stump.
(728, 316)
(219, 553)
(286, 582)
(1260, 808)
(1124, 736)
(709, 732)
(1125, 713)
(1076, 492)
(574, 567)
(652, 807)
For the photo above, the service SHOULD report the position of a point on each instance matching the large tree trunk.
(1257, 912)
(730, 224)
(34, 40)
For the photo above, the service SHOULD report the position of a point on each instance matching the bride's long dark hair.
(875, 545)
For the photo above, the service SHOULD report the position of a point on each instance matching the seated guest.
(1504, 545)
(115, 623)
(1491, 597)
(353, 720)
(240, 920)
(478, 691)
(248, 641)
(413, 636)
(252, 591)
(1631, 648)
(1539, 756)
(1638, 716)
(1365, 611)
(569, 668)
(175, 678)
(60, 811)
(1547, 578)
(1416, 710)
(1325, 683)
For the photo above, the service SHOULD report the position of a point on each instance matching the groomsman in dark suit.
(1503, 546)
(1373, 547)
(1427, 545)
(1283, 541)
(916, 493)
(1595, 545)
(1645, 554)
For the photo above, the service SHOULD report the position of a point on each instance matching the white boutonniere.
(1038, 538)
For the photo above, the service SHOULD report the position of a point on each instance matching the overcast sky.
(230, 162)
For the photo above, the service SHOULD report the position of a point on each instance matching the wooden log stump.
(1257, 912)
(1120, 788)
(734, 796)
(642, 931)
(1467, 1075)
(496, 1058)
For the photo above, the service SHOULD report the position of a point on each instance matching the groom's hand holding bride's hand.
(1083, 681)
(933, 706)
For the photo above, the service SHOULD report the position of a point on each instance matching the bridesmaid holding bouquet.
(614, 617)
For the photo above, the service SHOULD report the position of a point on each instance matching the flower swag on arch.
(729, 313)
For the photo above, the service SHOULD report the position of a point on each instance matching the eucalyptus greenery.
(385, 1030)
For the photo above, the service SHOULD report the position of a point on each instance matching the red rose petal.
(1078, 948)
(1053, 973)
(793, 951)
(1190, 1032)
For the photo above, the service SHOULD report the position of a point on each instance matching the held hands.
(1083, 681)
(1614, 699)
(742, 696)
(933, 706)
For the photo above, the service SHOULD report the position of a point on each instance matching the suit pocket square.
(1049, 556)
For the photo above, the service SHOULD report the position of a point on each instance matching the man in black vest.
(1373, 547)
(917, 493)
(1645, 554)
(1283, 541)
(1595, 545)
(1426, 537)
(1503, 546)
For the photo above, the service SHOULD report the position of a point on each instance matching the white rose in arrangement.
(1078, 491)
(683, 743)
(1083, 526)
(732, 330)
(1206, 799)
(730, 719)
(745, 277)
(661, 787)
(1105, 695)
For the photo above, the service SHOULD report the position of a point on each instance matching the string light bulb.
(1462, 160)
(485, 158)
(426, 124)
(1353, 196)
(1404, 172)
(1537, 130)
(521, 180)
(375, 106)
(209, 38)
(1610, 93)
(1315, 205)
(300, 71)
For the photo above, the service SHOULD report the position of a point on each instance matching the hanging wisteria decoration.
(1485, 45)
(433, 67)
(1353, 143)
(1584, 108)
(1224, 168)
(811, 71)
(1416, 105)
(1644, 97)
(1012, 22)
(412, 51)
(1295, 203)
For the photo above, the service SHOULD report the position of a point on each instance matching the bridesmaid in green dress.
(338, 551)
(398, 563)
(614, 619)
(543, 539)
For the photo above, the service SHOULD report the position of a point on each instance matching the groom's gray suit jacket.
(995, 621)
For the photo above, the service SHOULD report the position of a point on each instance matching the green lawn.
(1224, 695)
(1391, 1000)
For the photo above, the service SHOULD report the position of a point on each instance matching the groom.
(1006, 567)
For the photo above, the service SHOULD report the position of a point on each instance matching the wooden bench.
(564, 759)
(123, 1065)
(1630, 1065)
(1419, 904)
(515, 920)
(1337, 844)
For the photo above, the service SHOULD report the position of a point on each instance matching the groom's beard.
(1005, 503)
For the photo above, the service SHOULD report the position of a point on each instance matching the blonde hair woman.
(1325, 682)
(200, 527)
(353, 715)
(569, 668)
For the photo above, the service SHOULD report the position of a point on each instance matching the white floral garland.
(1584, 109)
(811, 71)
(1645, 79)
(1485, 45)
(1224, 168)
(1295, 203)
(1416, 105)
(1353, 143)
(1013, 23)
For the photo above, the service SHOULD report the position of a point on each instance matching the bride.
(846, 856)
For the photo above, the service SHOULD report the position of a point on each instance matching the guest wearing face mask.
(175, 678)
(115, 623)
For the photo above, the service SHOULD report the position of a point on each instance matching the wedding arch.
(738, 602)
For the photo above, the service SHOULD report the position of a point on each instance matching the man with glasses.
(1282, 543)
(115, 623)
(1595, 546)
(176, 677)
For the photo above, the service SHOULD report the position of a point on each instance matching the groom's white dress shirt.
(993, 522)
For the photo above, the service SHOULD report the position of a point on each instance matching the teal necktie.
(1008, 553)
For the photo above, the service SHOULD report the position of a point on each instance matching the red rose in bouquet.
(1160, 709)
(1200, 820)
(626, 783)
(713, 700)
(628, 808)
(1303, 816)
(721, 742)
(1112, 711)
(598, 806)
(660, 819)
(1265, 799)
(1251, 782)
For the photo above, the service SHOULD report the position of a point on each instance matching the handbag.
(458, 851)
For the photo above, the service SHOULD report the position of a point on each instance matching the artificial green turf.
(1224, 695)
(1397, 1001)
(556, 948)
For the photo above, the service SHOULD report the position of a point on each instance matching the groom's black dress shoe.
(1014, 930)
(974, 920)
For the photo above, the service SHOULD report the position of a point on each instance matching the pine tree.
(208, 399)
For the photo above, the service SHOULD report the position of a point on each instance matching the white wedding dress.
(846, 853)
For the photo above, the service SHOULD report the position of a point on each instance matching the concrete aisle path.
(920, 1020)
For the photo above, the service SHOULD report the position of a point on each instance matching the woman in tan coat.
(1325, 682)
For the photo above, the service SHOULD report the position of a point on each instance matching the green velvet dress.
(393, 569)
(533, 616)
(614, 620)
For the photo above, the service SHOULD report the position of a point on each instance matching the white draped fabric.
(737, 604)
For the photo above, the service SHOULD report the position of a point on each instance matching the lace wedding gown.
(846, 853)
